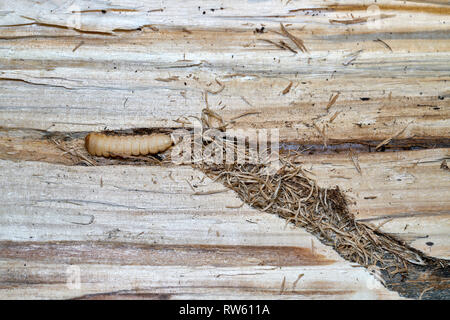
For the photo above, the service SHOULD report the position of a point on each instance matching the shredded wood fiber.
(294, 196)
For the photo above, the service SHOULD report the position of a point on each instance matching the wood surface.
(137, 230)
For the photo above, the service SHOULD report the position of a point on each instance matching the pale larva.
(100, 144)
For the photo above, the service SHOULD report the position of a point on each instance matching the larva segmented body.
(100, 144)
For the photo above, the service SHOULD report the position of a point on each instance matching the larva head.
(89, 142)
(86, 140)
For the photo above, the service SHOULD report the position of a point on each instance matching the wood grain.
(170, 241)
(138, 231)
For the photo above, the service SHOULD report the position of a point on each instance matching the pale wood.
(184, 282)
(407, 193)
(122, 85)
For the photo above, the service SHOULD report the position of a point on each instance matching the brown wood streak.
(143, 295)
(363, 7)
(125, 295)
(78, 252)
(34, 150)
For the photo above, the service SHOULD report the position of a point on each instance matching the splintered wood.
(291, 194)
(358, 93)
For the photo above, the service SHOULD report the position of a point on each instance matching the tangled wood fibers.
(323, 212)
(292, 195)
